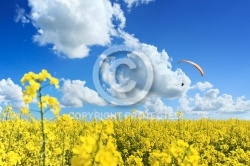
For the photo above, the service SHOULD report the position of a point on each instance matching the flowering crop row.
(128, 141)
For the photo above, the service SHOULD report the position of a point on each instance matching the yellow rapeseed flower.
(43, 75)
(54, 81)
(24, 110)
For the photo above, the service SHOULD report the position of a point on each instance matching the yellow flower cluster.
(98, 147)
(34, 81)
(34, 91)
(51, 102)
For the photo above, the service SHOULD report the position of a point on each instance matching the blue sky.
(67, 39)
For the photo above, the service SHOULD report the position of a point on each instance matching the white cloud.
(212, 101)
(21, 16)
(166, 82)
(10, 94)
(202, 86)
(131, 3)
(155, 106)
(75, 94)
(72, 26)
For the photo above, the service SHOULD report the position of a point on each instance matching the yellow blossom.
(54, 81)
(24, 110)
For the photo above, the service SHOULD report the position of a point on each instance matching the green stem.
(45, 86)
(43, 148)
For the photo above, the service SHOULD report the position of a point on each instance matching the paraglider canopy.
(194, 64)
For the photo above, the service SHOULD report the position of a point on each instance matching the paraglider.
(195, 65)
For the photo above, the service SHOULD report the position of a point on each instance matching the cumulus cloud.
(75, 94)
(202, 86)
(72, 26)
(131, 3)
(155, 107)
(166, 82)
(10, 93)
(212, 101)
